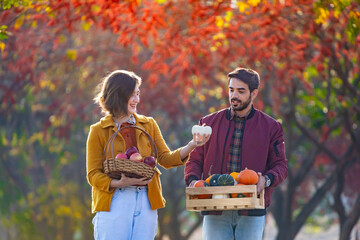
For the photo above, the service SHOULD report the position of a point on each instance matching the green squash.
(225, 180)
(214, 180)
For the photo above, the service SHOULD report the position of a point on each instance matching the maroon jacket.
(263, 148)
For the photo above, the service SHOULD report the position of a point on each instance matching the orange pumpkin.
(208, 179)
(247, 177)
(202, 183)
(234, 175)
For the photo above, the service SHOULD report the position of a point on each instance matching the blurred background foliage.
(54, 53)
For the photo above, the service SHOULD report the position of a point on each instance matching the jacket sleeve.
(277, 162)
(166, 158)
(194, 166)
(94, 159)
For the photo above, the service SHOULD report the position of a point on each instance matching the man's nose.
(235, 95)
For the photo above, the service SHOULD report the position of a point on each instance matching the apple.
(150, 160)
(136, 157)
(121, 156)
(130, 151)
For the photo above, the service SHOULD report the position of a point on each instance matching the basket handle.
(110, 143)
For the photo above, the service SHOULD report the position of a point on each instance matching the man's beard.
(242, 105)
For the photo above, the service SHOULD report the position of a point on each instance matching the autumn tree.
(306, 51)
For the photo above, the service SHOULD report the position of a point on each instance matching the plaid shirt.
(235, 147)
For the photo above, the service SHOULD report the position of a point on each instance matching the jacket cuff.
(190, 179)
(272, 177)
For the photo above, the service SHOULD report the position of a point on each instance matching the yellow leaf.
(219, 36)
(212, 109)
(52, 86)
(63, 211)
(95, 8)
(2, 46)
(254, 3)
(86, 26)
(34, 24)
(219, 22)
(71, 54)
(322, 15)
(62, 38)
(160, 1)
(242, 6)
(228, 16)
(19, 21)
(42, 84)
(4, 141)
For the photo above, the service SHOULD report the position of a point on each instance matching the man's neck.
(243, 113)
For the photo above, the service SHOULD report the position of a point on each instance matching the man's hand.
(261, 183)
(192, 183)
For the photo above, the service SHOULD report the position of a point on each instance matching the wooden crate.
(251, 202)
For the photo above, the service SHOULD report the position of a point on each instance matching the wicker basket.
(114, 167)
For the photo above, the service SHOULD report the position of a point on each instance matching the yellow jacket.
(100, 182)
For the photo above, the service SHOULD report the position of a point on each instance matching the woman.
(126, 208)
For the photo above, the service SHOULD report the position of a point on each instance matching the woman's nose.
(137, 99)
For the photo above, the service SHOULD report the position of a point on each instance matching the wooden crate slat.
(252, 202)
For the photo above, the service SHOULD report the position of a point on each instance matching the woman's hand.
(199, 140)
(202, 139)
(125, 181)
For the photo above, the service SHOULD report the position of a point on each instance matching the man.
(242, 137)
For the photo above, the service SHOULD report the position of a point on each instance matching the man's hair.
(115, 92)
(248, 76)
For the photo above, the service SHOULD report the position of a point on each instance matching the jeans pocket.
(116, 194)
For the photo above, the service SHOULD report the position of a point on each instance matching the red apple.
(131, 150)
(150, 160)
(136, 157)
(121, 156)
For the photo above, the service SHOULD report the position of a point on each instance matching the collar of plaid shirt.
(233, 113)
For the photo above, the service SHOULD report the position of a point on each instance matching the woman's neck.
(121, 119)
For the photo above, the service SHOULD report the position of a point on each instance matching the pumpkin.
(208, 179)
(214, 180)
(225, 180)
(247, 177)
(202, 183)
(234, 175)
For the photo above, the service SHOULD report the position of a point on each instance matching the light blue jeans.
(130, 217)
(230, 225)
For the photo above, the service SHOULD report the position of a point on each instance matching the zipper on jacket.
(275, 148)
(241, 144)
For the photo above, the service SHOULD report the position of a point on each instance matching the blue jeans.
(130, 217)
(230, 225)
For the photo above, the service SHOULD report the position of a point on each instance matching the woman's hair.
(115, 92)
(248, 76)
